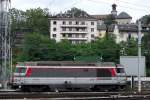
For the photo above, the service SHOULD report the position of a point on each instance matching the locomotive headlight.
(19, 86)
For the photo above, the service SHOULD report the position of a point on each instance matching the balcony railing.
(74, 38)
(74, 25)
(74, 31)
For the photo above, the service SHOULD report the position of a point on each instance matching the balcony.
(74, 38)
(74, 31)
(74, 25)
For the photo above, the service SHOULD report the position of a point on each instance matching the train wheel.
(122, 88)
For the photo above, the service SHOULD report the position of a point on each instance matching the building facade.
(76, 30)
(86, 28)
(123, 29)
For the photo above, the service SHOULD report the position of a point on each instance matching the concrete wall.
(123, 21)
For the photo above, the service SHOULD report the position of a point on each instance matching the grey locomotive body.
(68, 75)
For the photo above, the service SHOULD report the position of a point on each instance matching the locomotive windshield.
(20, 70)
(120, 70)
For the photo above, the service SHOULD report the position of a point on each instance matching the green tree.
(146, 50)
(37, 47)
(75, 12)
(129, 48)
(37, 20)
(18, 20)
(107, 48)
(64, 51)
(145, 19)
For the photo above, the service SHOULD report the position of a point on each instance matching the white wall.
(130, 64)
(59, 28)
(123, 21)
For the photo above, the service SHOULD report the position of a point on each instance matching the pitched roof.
(125, 28)
(124, 15)
(128, 27)
(101, 27)
(100, 17)
(72, 17)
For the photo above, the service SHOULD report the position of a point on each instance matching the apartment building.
(81, 29)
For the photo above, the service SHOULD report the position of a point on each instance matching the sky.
(135, 8)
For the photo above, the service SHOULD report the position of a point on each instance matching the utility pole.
(139, 55)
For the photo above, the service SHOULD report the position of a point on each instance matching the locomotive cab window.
(20, 70)
(120, 70)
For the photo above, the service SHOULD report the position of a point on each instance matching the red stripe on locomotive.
(28, 73)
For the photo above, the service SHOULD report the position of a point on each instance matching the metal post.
(5, 40)
(139, 55)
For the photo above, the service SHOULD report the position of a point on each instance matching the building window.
(82, 23)
(77, 23)
(54, 35)
(70, 29)
(70, 22)
(129, 36)
(77, 29)
(64, 23)
(83, 29)
(92, 35)
(77, 35)
(92, 23)
(64, 35)
(92, 29)
(69, 35)
(54, 22)
(83, 36)
(63, 29)
(54, 29)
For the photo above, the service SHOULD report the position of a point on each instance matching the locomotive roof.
(66, 63)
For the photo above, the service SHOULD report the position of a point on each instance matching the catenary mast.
(5, 47)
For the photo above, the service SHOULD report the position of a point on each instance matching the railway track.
(77, 95)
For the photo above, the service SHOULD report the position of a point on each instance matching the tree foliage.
(145, 19)
(18, 18)
(34, 19)
(129, 48)
(39, 47)
(37, 19)
(75, 12)
(146, 48)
